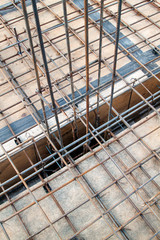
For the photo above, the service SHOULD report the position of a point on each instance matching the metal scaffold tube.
(34, 5)
(115, 58)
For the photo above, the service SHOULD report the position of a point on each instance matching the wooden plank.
(120, 103)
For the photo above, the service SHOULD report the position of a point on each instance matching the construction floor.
(104, 181)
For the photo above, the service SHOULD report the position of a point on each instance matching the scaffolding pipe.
(46, 69)
(115, 58)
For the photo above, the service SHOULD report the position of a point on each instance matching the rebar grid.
(65, 83)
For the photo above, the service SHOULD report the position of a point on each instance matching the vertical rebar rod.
(130, 97)
(70, 65)
(99, 61)
(87, 63)
(115, 58)
(34, 5)
(4, 230)
(16, 35)
(34, 60)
